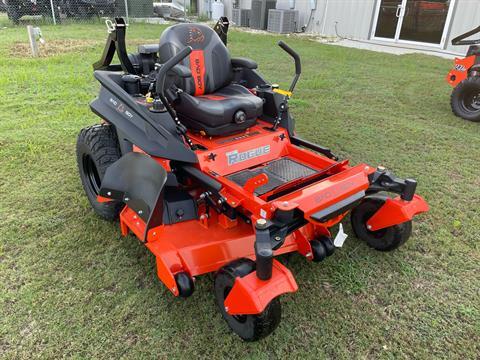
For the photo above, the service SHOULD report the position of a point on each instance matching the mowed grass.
(73, 287)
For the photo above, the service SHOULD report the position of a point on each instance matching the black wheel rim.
(471, 101)
(91, 174)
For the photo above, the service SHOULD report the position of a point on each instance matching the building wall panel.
(354, 18)
(466, 16)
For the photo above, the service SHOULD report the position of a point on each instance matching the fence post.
(53, 13)
(126, 10)
(33, 41)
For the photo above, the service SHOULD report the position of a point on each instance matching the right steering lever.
(287, 94)
(298, 65)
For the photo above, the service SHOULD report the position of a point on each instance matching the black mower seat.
(230, 109)
(210, 102)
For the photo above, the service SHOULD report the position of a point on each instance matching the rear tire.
(465, 99)
(97, 149)
(13, 13)
(248, 327)
(386, 239)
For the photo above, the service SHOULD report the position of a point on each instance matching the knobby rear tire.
(97, 149)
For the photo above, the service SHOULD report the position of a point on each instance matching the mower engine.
(145, 59)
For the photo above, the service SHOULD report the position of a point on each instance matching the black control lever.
(160, 91)
(283, 108)
(298, 65)
(162, 73)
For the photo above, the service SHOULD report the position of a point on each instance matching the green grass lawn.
(72, 286)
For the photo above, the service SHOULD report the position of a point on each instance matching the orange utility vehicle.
(198, 158)
(465, 79)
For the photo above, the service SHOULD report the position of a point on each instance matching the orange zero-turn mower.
(198, 158)
(465, 79)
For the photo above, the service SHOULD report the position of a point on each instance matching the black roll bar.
(459, 40)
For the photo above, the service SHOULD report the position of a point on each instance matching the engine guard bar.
(115, 43)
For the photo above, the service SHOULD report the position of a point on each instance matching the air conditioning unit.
(259, 13)
(282, 21)
(241, 17)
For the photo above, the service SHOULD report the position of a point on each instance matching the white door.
(413, 21)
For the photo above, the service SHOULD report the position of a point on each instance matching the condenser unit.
(259, 13)
(282, 21)
(241, 17)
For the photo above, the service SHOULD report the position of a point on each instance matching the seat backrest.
(209, 61)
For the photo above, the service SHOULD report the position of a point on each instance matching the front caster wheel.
(248, 327)
(184, 284)
(465, 99)
(386, 239)
(328, 243)
(319, 251)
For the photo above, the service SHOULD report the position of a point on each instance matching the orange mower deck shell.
(460, 70)
(205, 245)
(197, 249)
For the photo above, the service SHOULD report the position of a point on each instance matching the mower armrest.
(182, 71)
(244, 63)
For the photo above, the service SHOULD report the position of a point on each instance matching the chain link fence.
(58, 12)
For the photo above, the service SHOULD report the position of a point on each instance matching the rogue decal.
(235, 157)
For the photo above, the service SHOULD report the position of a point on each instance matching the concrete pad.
(395, 49)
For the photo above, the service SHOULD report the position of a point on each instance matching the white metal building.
(425, 24)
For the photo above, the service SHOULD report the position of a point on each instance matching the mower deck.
(199, 246)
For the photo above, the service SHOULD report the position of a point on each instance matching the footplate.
(279, 172)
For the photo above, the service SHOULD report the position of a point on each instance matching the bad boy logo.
(195, 35)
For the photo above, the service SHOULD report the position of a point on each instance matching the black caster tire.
(328, 243)
(319, 251)
(97, 149)
(185, 284)
(248, 327)
(386, 239)
(465, 99)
